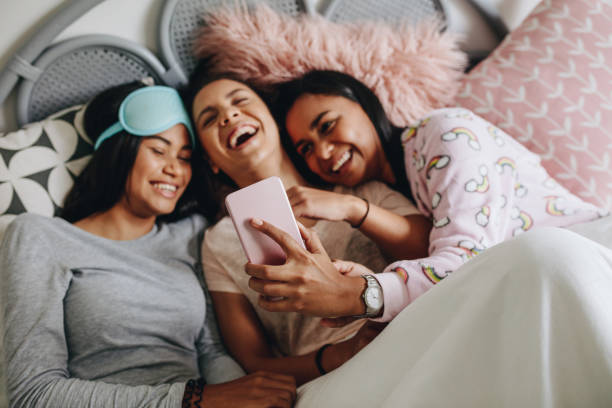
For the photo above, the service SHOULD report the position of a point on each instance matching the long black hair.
(102, 182)
(325, 82)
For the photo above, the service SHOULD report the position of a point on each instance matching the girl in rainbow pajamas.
(479, 187)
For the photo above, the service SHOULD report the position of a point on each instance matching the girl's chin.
(343, 179)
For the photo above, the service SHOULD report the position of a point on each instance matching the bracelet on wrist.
(193, 393)
(319, 357)
(358, 225)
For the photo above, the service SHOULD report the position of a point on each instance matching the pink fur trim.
(412, 69)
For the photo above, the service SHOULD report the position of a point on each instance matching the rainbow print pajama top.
(480, 187)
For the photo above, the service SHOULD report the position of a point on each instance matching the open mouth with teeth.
(168, 190)
(341, 162)
(241, 136)
(167, 187)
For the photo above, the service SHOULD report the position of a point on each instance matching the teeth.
(163, 186)
(244, 130)
(341, 161)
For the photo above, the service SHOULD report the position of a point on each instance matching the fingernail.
(256, 221)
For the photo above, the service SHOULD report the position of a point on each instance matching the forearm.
(222, 369)
(216, 365)
(398, 237)
(72, 392)
(303, 368)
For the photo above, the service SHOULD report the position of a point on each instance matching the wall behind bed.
(136, 20)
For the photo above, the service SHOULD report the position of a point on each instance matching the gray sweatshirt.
(101, 323)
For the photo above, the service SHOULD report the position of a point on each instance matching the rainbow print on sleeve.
(482, 186)
(438, 163)
(469, 249)
(505, 162)
(418, 160)
(524, 218)
(554, 207)
(496, 135)
(482, 216)
(432, 274)
(401, 272)
(455, 133)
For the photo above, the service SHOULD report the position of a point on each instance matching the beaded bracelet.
(319, 357)
(193, 393)
(358, 225)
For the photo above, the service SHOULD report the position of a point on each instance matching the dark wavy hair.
(325, 82)
(212, 188)
(102, 183)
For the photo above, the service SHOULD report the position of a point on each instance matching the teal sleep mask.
(149, 111)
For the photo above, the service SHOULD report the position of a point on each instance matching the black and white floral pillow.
(39, 162)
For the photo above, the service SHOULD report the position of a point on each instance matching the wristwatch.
(372, 297)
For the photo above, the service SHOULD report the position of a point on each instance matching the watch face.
(373, 298)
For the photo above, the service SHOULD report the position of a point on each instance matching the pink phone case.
(268, 201)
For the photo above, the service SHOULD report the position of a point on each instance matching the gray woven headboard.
(50, 78)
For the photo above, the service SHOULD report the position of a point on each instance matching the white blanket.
(528, 323)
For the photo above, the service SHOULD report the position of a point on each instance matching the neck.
(281, 167)
(386, 172)
(382, 170)
(117, 224)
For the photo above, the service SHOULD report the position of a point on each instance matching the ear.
(214, 167)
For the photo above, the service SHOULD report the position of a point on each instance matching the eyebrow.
(210, 108)
(166, 141)
(316, 120)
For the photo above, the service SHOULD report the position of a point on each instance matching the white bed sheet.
(525, 324)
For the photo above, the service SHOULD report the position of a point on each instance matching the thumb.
(311, 240)
(344, 267)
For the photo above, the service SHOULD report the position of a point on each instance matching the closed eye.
(327, 126)
(304, 148)
(208, 120)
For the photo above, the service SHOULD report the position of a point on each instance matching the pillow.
(38, 164)
(412, 69)
(549, 84)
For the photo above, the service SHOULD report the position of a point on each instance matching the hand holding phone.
(267, 201)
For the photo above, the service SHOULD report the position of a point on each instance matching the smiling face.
(336, 138)
(161, 172)
(234, 126)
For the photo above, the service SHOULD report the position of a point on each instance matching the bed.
(549, 83)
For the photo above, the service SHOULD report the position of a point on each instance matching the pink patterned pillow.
(549, 84)
(412, 69)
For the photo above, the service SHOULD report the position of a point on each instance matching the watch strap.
(371, 282)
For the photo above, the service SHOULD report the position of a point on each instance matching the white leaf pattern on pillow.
(77, 166)
(36, 172)
(22, 138)
(31, 161)
(563, 50)
(60, 182)
(33, 196)
(63, 136)
(6, 196)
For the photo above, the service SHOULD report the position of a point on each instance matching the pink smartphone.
(267, 201)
